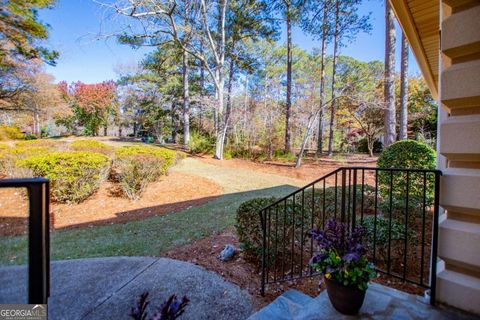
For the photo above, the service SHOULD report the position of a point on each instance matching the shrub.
(406, 154)
(167, 156)
(200, 144)
(74, 175)
(134, 172)
(170, 309)
(317, 205)
(248, 225)
(92, 146)
(30, 136)
(10, 133)
(289, 218)
(284, 156)
(363, 147)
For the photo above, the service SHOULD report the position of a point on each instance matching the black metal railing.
(398, 208)
(38, 236)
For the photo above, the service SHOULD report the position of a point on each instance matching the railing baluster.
(323, 204)
(406, 229)
(301, 235)
(363, 196)
(433, 259)
(344, 182)
(292, 268)
(276, 242)
(422, 257)
(375, 217)
(267, 245)
(312, 224)
(390, 223)
(284, 237)
(264, 243)
(354, 200)
(336, 200)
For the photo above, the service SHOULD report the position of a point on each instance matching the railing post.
(38, 226)
(264, 243)
(436, 211)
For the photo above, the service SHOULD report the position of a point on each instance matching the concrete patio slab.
(106, 288)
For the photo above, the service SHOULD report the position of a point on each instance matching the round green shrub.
(248, 226)
(406, 154)
(284, 227)
(74, 175)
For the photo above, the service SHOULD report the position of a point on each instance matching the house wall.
(458, 281)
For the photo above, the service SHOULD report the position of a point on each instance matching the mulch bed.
(205, 252)
(175, 192)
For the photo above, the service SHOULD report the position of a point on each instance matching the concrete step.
(284, 307)
(459, 290)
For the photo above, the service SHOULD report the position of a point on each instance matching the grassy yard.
(152, 236)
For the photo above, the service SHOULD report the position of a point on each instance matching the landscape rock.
(227, 253)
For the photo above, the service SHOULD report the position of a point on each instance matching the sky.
(80, 29)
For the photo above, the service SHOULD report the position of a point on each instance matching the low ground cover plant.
(74, 175)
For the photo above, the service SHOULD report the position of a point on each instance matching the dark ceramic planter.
(346, 300)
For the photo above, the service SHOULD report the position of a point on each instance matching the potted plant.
(343, 263)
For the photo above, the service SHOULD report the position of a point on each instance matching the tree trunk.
(186, 101)
(288, 146)
(222, 119)
(105, 130)
(221, 129)
(332, 105)
(186, 92)
(229, 92)
(310, 123)
(390, 122)
(322, 81)
(404, 90)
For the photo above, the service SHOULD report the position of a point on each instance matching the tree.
(404, 89)
(209, 27)
(389, 86)
(43, 100)
(346, 24)
(93, 104)
(21, 32)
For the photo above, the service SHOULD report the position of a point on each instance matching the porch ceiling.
(419, 20)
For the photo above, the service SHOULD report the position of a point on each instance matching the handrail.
(285, 222)
(38, 236)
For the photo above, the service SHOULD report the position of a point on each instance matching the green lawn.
(155, 235)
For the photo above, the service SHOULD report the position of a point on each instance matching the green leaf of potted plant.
(342, 261)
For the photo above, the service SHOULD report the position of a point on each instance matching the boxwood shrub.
(285, 229)
(406, 154)
(74, 175)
